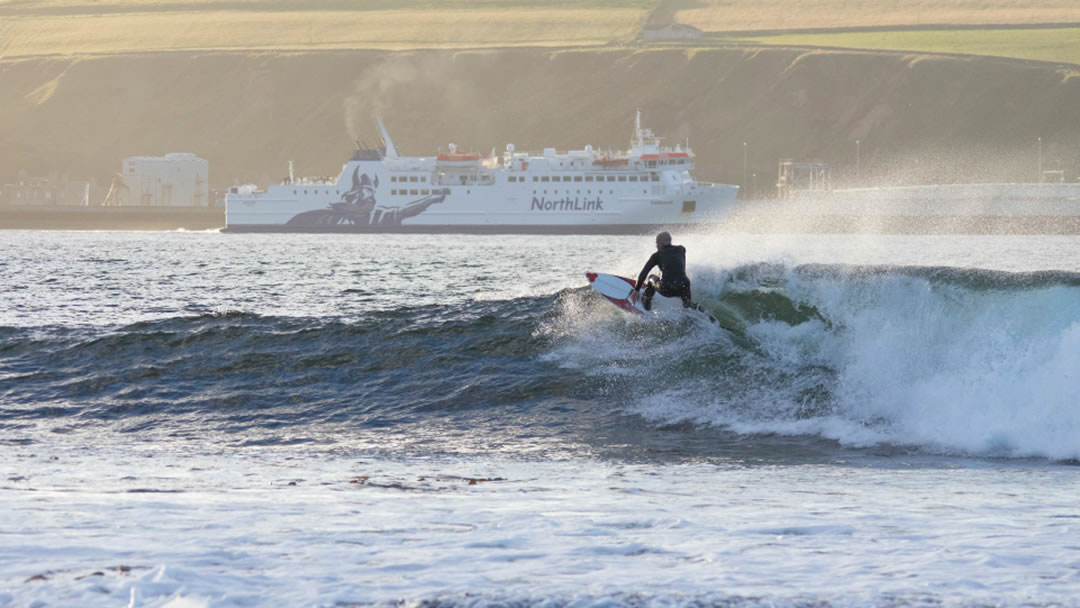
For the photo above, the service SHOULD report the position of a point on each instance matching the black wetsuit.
(673, 282)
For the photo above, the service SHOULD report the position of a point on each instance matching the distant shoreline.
(111, 218)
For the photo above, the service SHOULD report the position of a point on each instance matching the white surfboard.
(617, 290)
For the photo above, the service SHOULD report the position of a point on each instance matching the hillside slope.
(919, 118)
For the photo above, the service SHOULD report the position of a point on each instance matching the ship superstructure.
(585, 190)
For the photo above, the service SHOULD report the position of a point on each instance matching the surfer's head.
(664, 238)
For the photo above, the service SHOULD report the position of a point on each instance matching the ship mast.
(637, 130)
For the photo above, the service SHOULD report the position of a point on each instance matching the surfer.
(673, 282)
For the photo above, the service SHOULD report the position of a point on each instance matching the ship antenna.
(391, 151)
(637, 128)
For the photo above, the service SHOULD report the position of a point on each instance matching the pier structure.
(794, 176)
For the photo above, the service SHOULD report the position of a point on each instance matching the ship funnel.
(391, 151)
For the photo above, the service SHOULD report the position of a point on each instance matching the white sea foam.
(285, 527)
(949, 365)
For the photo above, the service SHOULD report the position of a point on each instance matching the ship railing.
(309, 181)
(459, 179)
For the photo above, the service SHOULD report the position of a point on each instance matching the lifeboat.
(459, 159)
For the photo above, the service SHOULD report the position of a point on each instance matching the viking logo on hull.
(567, 204)
(358, 206)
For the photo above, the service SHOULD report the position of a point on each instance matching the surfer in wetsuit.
(673, 282)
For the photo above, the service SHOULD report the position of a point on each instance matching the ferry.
(580, 191)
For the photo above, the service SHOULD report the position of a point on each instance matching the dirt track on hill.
(919, 118)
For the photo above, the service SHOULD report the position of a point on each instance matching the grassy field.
(50, 27)
(1060, 45)
(80, 27)
(743, 15)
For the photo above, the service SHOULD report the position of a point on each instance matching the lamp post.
(744, 152)
(1040, 160)
(858, 163)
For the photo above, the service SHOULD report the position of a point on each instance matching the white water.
(917, 362)
(235, 532)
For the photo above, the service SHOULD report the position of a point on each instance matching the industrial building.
(174, 180)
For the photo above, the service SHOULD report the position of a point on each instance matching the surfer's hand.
(634, 296)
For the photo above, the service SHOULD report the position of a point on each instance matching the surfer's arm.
(645, 271)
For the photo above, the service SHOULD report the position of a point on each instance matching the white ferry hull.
(577, 192)
(497, 213)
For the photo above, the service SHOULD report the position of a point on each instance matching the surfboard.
(617, 290)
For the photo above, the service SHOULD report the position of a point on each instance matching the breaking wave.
(955, 361)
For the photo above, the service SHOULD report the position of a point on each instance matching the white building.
(175, 180)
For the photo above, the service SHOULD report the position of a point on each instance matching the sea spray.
(952, 361)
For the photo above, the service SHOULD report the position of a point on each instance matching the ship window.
(413, 192)
(511, 179)
(305, 191)
(633, 178)
(294, 191)
(588, 178)
(689, 206)
(468, 192)
(544, 178)
(577, 178)
(424, 192)
(535, 178)
(393, 178)
(423, 178)
(611, 178)
(413, 178)
(393, 192)
(622, 178)
(655, 177)
(651, 164)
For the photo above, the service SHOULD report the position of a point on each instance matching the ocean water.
(200, 419)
